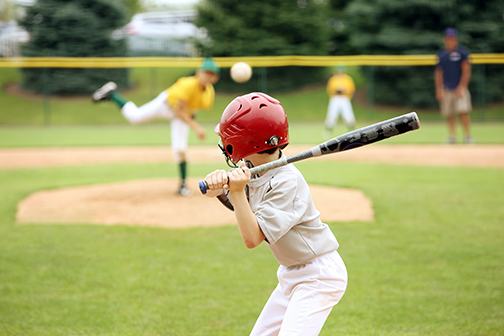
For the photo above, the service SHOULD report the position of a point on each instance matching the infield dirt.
(153, 202)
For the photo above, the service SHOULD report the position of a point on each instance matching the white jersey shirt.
(282, 203)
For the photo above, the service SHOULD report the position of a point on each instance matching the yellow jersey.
(341, 84)
(189, 90)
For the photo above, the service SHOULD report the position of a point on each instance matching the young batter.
(179, 104)
(276, 207)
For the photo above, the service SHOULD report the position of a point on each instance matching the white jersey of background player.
(278, 210)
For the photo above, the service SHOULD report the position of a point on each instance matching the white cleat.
(184, 191)
(104, 92)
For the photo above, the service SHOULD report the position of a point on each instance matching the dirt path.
(152, 202)
(428, 155)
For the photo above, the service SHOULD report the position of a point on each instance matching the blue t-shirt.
(451, 64)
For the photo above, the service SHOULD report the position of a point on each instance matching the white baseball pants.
(339, 105)
(158, 108)
(303, 298)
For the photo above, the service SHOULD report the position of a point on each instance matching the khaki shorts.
(454, 104)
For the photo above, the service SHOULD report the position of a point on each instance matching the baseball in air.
(241, 72)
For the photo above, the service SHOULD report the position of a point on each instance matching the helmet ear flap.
(229, 149)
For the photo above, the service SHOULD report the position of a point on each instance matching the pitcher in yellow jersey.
(179, 103)
(340, 89)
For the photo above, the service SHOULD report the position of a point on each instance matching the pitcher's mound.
(153, 202)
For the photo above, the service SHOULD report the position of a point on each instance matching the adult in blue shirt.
(452, 75)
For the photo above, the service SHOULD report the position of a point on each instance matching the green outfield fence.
(261, 62)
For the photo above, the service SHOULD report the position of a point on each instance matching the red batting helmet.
(251, 124)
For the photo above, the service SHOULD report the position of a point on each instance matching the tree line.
(280, 27)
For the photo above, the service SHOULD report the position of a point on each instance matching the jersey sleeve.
(331, 86)
(464, 52)
(350, 89)
(281, 209)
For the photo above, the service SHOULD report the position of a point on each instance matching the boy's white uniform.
(158, 108)
(312, 276)
(339, 104)
(341, 89)
(187, 89)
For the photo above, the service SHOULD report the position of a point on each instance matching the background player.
(452, 75)
(340, 89)
(276, 207)
(179, 103)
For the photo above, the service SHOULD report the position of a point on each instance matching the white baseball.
(241, 72)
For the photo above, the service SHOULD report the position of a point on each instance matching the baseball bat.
(357, 138)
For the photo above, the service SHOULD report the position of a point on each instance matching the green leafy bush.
(76, 28)
(408, 27)
(265, 28)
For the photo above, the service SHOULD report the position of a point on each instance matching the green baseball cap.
(209, 65)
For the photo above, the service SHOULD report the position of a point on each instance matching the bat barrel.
(357, 138)
(373, 133)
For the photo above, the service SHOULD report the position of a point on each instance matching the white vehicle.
(169, 33)
(11, 37)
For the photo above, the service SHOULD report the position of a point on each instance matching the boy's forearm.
(247, 223)
(466, 74)
(183, 112)
(180, 112)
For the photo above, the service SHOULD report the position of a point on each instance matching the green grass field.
(308, 104)
(430, 264)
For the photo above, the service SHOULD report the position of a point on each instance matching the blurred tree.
(339, 43)
(73, 28)
(8, 10)
(265, 28)
(400, 27)
(133, 7)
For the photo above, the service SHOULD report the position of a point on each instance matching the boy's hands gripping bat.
(357, 138)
